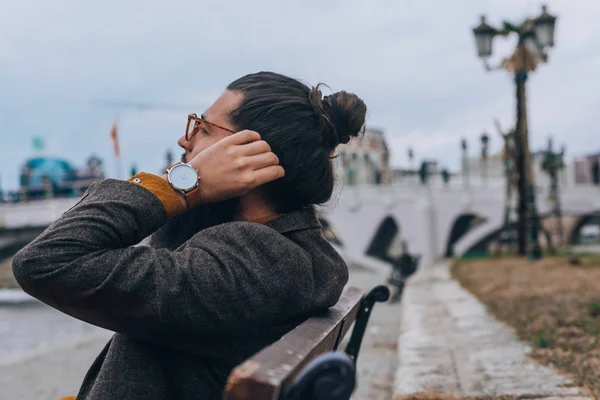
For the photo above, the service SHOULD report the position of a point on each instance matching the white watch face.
(183, 177)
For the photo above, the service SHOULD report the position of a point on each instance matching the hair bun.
(345, 113)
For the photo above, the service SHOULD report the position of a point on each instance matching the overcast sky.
(412, 61)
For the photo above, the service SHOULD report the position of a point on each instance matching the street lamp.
(465, 161)
(485, 140)
(535, 36)
(484, 36)
(411, 156)
(543, 27)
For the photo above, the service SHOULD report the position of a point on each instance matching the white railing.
(574, 198)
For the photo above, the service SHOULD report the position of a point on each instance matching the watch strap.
(192, 198)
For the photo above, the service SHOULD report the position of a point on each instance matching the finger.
(255, 148)
(242, 137)
(266, 175)
(262, 160)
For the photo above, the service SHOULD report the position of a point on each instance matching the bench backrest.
(272, 371)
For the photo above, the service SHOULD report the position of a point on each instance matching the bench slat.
(272, 370)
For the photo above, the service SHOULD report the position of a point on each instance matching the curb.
(449, 343)
(371, 263)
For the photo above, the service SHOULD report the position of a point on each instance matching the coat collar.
(295, 221)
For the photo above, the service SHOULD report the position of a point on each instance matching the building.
(494, 169)
(43, 177)
(587, 169)
(364, 160)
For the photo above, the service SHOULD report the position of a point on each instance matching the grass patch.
(554, 304)
(7, 280)
(594, 309)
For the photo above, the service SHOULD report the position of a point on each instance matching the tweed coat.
(201, 298)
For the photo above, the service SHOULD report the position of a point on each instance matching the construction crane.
(140, 106)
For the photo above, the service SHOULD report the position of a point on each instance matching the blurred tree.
(423, 173)
(445, 176)
(552, 164)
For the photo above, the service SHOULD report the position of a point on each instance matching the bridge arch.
(461, 225)
(592, 218)
(483, 245)
(384, 236)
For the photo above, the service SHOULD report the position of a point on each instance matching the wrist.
(180, 195)
(158, 186)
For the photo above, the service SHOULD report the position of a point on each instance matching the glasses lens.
(192, 128)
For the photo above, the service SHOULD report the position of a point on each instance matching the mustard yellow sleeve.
(68, 398)
(169, 197)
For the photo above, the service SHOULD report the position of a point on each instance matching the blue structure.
(37, 170)
(44, 176)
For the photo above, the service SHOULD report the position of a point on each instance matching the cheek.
(200, 144)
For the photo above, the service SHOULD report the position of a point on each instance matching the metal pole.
(465, 163)
(508, 183)
(521, 149)
(527, 203)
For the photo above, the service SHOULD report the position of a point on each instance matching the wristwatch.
(185, 179)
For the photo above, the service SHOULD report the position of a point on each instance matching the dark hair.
(302, 129)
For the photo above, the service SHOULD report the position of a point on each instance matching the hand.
(235, 165)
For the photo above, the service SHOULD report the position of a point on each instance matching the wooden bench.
(305, 364)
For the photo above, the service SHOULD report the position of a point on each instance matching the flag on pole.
(114, 135)
(38, 144)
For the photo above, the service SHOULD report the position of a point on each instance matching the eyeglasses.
(192, 128)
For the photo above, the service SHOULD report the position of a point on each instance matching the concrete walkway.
(450, 344)
(376, 364)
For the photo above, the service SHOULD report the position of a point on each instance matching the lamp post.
(424, 172)
(485, 140)
(596, 172)
(465, 161)
(552, 164)
(535, 37)
(411, 156)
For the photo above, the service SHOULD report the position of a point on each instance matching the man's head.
(215, 125)
(302, 128)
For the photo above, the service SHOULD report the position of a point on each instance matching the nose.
(183, 143)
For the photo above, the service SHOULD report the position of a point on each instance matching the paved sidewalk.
(450, 344)
(52, 373)
(376, 364)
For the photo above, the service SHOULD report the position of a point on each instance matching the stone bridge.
(440, 221)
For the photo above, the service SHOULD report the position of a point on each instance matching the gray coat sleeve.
(222, 280)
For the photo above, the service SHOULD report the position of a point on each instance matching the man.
(402, 268)
(236, 258)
